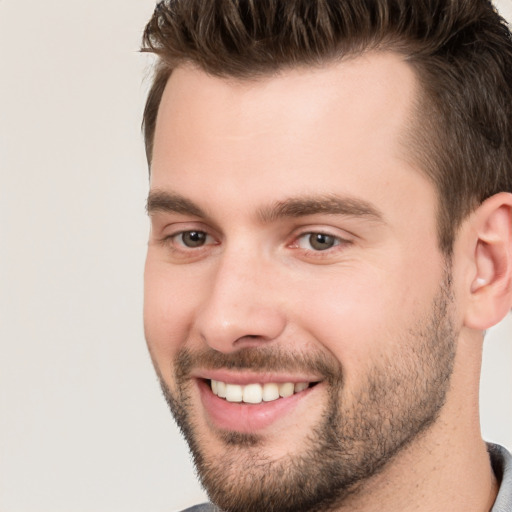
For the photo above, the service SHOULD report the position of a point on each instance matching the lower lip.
(246, 418)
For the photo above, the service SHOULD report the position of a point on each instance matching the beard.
(399, 398)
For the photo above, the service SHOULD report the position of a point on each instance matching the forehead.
(303, 130)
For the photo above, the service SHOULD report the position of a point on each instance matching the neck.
(447, 467)
(455, 476)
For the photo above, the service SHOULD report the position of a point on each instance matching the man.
(330, 206)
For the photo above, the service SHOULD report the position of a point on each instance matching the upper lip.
(243, 378)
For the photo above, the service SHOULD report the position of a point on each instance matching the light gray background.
(82, 424)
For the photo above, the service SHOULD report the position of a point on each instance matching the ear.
(490, 293)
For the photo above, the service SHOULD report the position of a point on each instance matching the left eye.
(317, 241)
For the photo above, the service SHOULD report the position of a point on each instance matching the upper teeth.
(256, 393)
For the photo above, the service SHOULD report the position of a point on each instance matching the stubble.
(353, 440)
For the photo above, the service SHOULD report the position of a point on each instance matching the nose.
(242, 307)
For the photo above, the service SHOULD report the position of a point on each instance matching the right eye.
(192, 239)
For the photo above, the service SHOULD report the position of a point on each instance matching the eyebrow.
(294, 207)
(330, 204)
(159, 201)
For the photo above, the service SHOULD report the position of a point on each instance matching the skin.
(231, 151)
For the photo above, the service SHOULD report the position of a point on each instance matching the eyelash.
(177, 245)
(174, 242)
(336, 241)
(190, 233)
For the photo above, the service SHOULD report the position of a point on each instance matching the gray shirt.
(501, 461)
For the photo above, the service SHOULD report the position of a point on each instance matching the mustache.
(258, 359)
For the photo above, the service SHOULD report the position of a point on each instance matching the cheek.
(168, 313)
(343, 316)
(361, 314)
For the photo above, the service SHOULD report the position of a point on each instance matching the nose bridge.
(243, 304)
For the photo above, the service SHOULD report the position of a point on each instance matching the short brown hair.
(461, 51)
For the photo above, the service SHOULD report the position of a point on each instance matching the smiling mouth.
(257, 393)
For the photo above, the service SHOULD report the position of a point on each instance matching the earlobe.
(491, 285)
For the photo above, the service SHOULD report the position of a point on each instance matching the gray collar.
(501, 461)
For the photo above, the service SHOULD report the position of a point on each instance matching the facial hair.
(402, 396)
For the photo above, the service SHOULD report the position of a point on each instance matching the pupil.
(321, 242)
(194, 238)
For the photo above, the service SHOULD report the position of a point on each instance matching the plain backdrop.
(83, 426)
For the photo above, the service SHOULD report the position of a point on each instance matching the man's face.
(293, 250)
